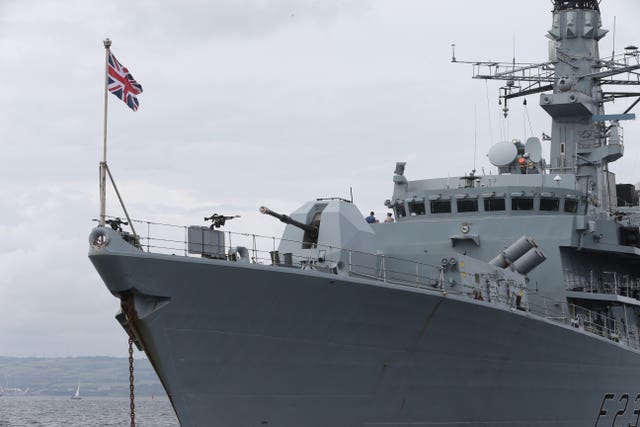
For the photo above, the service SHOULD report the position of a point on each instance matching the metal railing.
(607, 282)
(602, 325)
(592, 321)
(173, 239)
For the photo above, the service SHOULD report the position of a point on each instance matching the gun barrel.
(288, 220)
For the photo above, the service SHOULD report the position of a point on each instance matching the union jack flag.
(122, 84)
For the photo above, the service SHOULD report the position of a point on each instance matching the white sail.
(77, 393)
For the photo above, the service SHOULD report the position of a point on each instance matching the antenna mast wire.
(486, 85)
(475, 138)
(613, 52)
(526, 112)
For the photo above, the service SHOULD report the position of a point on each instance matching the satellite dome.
(503, 153)
(533, 148)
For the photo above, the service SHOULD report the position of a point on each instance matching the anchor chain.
(132, 404)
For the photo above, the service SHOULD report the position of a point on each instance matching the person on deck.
(371, 219)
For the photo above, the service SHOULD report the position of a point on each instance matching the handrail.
(590, 321)
(182, 243)
(607, 282)
(261, 246)
(414, 273)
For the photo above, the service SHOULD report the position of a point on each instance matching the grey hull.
(245, 344)
(251, 345)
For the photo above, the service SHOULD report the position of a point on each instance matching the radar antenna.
(559, 5)
(540, 77)
(574, 86)
(523, 78)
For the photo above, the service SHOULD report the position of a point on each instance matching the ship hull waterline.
(238, 344)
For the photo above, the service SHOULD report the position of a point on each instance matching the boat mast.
(103, 164)
(583, 139)
(579, 142)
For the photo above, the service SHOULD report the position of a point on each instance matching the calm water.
(90, 411)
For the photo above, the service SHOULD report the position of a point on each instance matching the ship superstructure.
(510, 299)
(570, 199)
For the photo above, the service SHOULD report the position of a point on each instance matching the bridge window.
(467, 205)
(522, 204)
(401, 212)
(417, 208)
(440, 206)
(495, 204)
(549, 204)
(570, 205)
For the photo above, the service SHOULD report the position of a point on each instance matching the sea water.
(90, 411)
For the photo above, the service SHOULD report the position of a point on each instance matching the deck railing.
(607, 282)
(591, 321)
(156, 237)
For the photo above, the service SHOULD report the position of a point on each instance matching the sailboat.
(76, 396)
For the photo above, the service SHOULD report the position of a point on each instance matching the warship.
(508, 299)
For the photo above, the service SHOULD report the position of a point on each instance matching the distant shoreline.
(98, 376)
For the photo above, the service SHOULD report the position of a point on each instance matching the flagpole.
(103, 164)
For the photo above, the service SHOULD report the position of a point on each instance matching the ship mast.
(584, 140)
(578, 134)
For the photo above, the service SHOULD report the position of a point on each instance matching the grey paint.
(240, 344)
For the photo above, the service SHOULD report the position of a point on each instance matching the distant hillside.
(97, 376)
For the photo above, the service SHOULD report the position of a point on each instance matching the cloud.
(53, 301)
(201, 20)
(246, 103)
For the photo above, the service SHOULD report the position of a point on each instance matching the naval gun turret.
(310, 230)
(329, 234)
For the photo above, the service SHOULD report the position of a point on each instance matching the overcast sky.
(246, 103)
